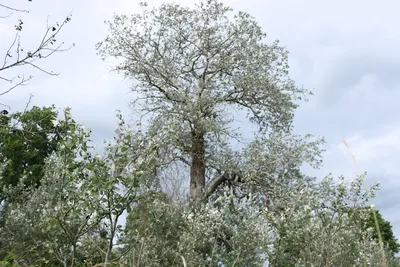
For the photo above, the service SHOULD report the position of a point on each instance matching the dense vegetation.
(64, 205)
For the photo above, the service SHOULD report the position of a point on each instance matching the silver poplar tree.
(190, 68)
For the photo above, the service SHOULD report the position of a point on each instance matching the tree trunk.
(73, 254)
(198, 167)
(113, 229)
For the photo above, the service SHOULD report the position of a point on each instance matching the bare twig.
(4, 17)
(21, 83)
(4, 105)
(24, 111)
(14, 9)
(15, 57)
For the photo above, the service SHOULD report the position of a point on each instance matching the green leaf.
(53, 222)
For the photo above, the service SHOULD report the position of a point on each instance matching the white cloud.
(381, 150)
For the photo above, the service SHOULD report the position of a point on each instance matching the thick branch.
(214, 184)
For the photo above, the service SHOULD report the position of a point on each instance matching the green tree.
(26, 140)
(74, 217)
(385, 229)
(29, 224)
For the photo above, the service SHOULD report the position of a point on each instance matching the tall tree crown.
(193, 62)
(192, 67)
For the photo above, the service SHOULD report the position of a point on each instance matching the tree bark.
(217, 181)
(198, 166)
(73, 254)
(113, 230)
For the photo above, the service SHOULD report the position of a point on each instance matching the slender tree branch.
(13, 59)
(14, 9)
(21, 83)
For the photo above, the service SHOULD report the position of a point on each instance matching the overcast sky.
(346, 51)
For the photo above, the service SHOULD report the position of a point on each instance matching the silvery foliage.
(271, 163)
(52, 219)
(232, 226)
(209, 235)
(232, 233)
(319, 224)
(191, 68)
(81, 196)
(307, 223)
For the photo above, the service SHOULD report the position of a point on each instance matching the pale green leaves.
(194, 66)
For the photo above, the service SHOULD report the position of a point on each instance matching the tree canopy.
(192, 67)
(26, 139)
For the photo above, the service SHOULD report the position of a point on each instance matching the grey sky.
(347, 51)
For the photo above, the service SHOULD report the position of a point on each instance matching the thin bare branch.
(42, 70)
(21, 83)
(4, 17)
(14, 9)
(7, 55)
(13, 59)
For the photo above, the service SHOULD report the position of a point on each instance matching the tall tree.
(18, 54)
(191, 67)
